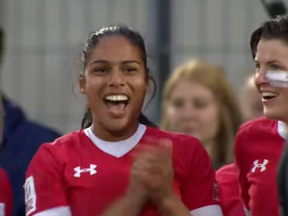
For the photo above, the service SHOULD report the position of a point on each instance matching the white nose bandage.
(277, 78)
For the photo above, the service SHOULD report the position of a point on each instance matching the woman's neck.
(114, 136)
(209, 146)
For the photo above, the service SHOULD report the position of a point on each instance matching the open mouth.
(268, 95)
(116, 102)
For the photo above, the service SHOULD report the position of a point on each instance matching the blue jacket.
(21, 139)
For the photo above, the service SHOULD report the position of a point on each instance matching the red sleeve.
(243, 167)
(227, 179)
(5, 195)
(44, 185)
(199, 188)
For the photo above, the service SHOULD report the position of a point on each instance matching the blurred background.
(41, 62)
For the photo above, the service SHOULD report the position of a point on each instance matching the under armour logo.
(262, 166)
(91, 170)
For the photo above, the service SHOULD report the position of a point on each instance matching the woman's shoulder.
(258, 125)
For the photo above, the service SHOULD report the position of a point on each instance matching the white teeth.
(116, 98)
(268, 94)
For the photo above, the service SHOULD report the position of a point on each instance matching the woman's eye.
(100, 70)
(178, 103)
(130, 70)
(257, 67)
(200, 105)
(274, 67)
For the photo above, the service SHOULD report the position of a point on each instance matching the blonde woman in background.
(198, 101)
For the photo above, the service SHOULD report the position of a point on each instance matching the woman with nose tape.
(259, 143)
(118, 165)
(198, 101)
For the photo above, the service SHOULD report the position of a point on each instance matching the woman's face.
(115, 83)
(193, 110)
(272, 55)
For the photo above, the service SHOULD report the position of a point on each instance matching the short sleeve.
(5, 195)
(44, 188)
(243, 169)
(227, 179)
(199, 190)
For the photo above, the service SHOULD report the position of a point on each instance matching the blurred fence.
(42, 34)
(218, 31)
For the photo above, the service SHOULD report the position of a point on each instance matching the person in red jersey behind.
(119, 165)
(227, 176)
(5, 195)
(227, 179)
(259, 142)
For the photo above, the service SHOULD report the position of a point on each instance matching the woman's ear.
(81, 84)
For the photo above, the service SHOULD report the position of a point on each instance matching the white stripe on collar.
(282, 129)
(117, 149)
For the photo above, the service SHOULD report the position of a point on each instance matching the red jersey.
(258, 147)
(82, 175)
(5, 195)
(227, 179)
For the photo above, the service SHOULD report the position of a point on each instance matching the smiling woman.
(271, 57)
(132, 65)
(259, 143)
(118, 166)
(124, 70)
